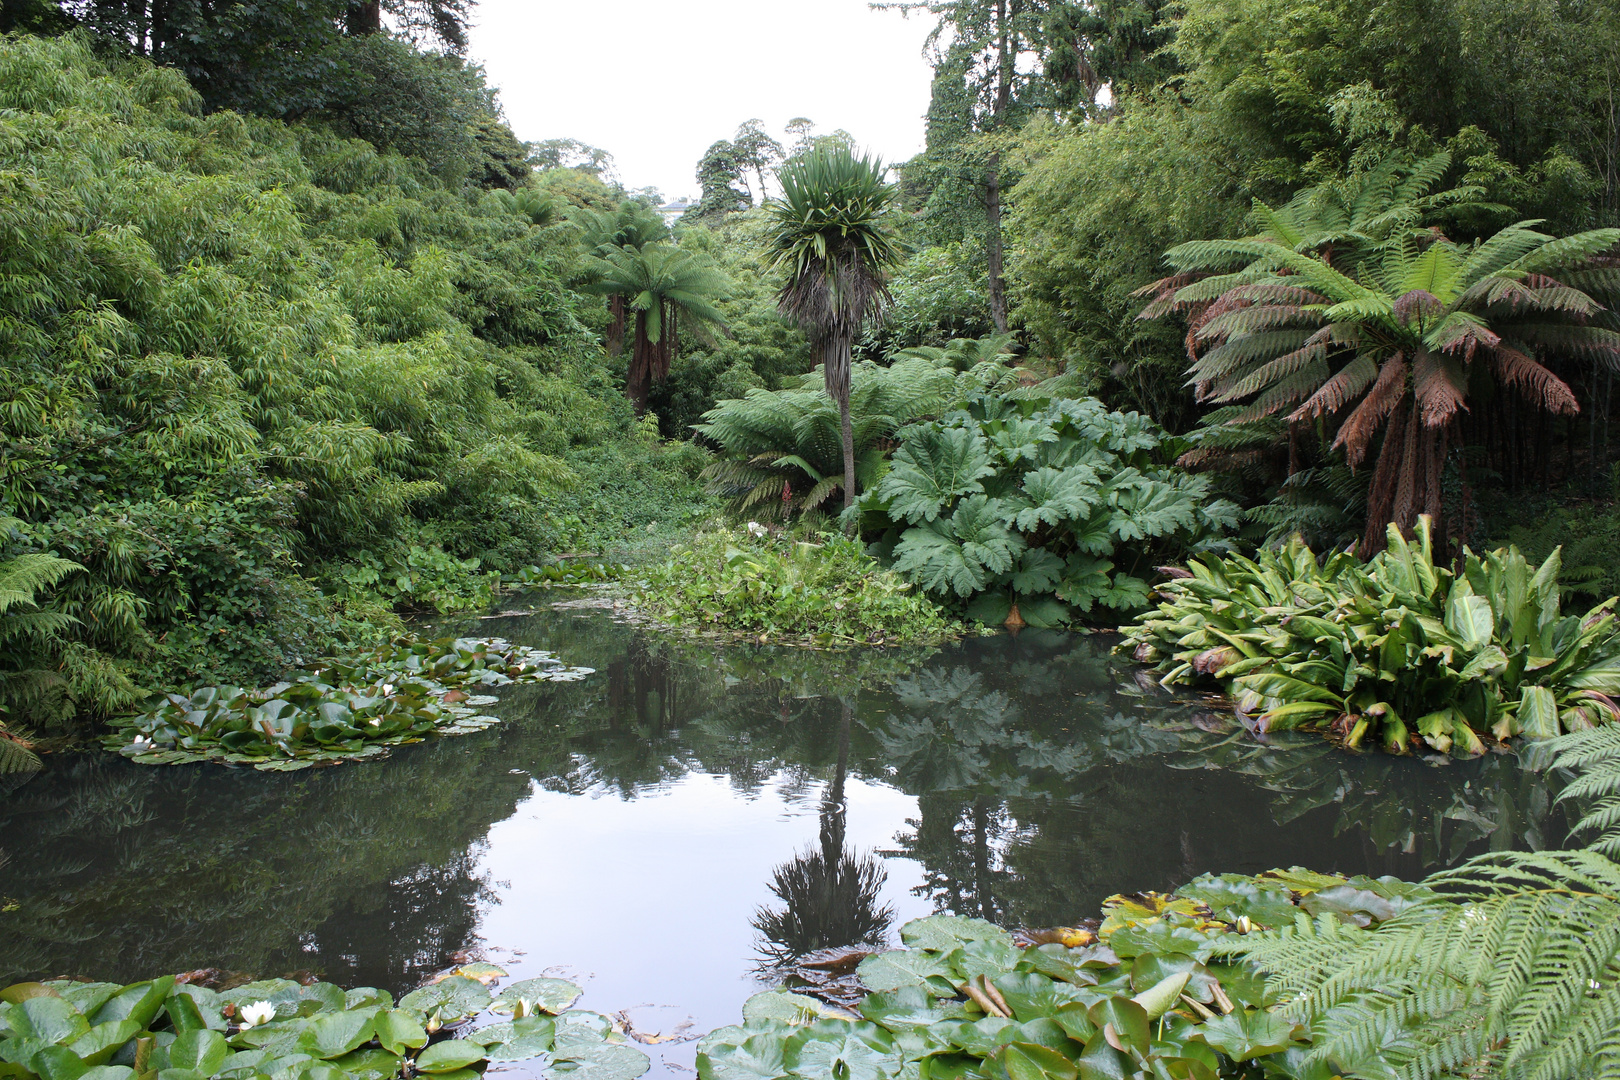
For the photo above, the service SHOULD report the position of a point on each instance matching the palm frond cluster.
(781, 450)
(1345, 311)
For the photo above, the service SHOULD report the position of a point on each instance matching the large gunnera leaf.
(962, 553)
(934, 469)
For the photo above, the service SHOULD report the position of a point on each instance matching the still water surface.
(662, 830)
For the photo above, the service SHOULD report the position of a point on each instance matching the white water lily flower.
(260, 1012)
(376, 723)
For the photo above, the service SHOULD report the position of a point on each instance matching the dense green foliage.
(345, 709)
(248, 361)
(780, 451)
(1035, 510)
(1505, 969)
(1140, 997)
(1399, 650)
(825, 591)
(273, 1027)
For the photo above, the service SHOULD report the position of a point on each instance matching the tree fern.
(1513, 971)
(27, 637)
(1595, 755)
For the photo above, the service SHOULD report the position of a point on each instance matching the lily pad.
(448, 1056)
(945, 932)
(603, 1061)
(757, 1057)
(1248, 1033)
(452, 999)
(849, 1050)
(782, 1005)
(905, 967)
(537, 995)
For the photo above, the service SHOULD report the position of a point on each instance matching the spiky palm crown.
(831, 231)
(1342, 307)
(658, 274)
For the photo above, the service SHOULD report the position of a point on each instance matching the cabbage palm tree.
(832, 233)
(1343, 311)
(661, 285)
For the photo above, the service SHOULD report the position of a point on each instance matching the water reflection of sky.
(652, 913)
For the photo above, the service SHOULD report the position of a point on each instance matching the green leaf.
(1248, 1033)
(97, 1046)
(902, 967)
(1127, 1019)
(1033, 996)
(942, 933)
(333, 1034)
(398, 1030)
(758, 1057)
(601, 1061)
(932, 469)
(447, 1056)
(201, 1050)
(537, 995)
(47, 1018)
(1538, 712)
(843, 1049)
(57, 1063)
(784, 1006)
(1028, 1061)
(370, 1064)
(450, 999)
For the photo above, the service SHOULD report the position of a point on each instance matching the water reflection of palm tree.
(830, 893)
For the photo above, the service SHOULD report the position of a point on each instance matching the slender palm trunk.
(837, 364)
(992, 245)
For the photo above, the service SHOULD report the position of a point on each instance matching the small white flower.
(376, 723)
(140, 742)
(756, 530)
(260, 1012)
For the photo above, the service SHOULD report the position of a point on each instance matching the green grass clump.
(790, 591)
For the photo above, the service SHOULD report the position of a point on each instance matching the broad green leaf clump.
(347, 708)
(790, 591)
(278, 1029)
(1398, 649)
(1038, 511)
(1143, 994)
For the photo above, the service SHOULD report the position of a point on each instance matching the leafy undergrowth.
(790, 592)
(283, 1030)
(1145, 993)
(1398, 650)
(571, 572)
(344, 709)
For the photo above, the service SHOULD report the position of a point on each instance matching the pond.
(663, 830)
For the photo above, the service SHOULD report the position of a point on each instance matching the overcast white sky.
(655, 83)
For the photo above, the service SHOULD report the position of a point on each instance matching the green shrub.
(1037, 510)
(789, 591)
(1397, 649)
(417, 579)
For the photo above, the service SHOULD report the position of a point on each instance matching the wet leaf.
(945, 932)
(49, 1019)
(757, 1057)
(398, 1030)
(450, 999)
(447, 1056)
(602, 1061)
(904, 967)
(841, 1048)
(532, 995)
(200, 1050)
(333, 1034)
(1032, 995)
(1248, 1033)
(784, 1006)
(1028, 1061)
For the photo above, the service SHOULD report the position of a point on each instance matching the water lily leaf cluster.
(822, 592)
(1399, 649)
(278, 1029)
(347, 708)
(1039, 510)
(1142, 994)
(571, 572)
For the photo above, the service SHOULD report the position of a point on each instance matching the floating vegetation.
(571, 572)
(451, 1029)
(1149, 991)
(344, 709)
